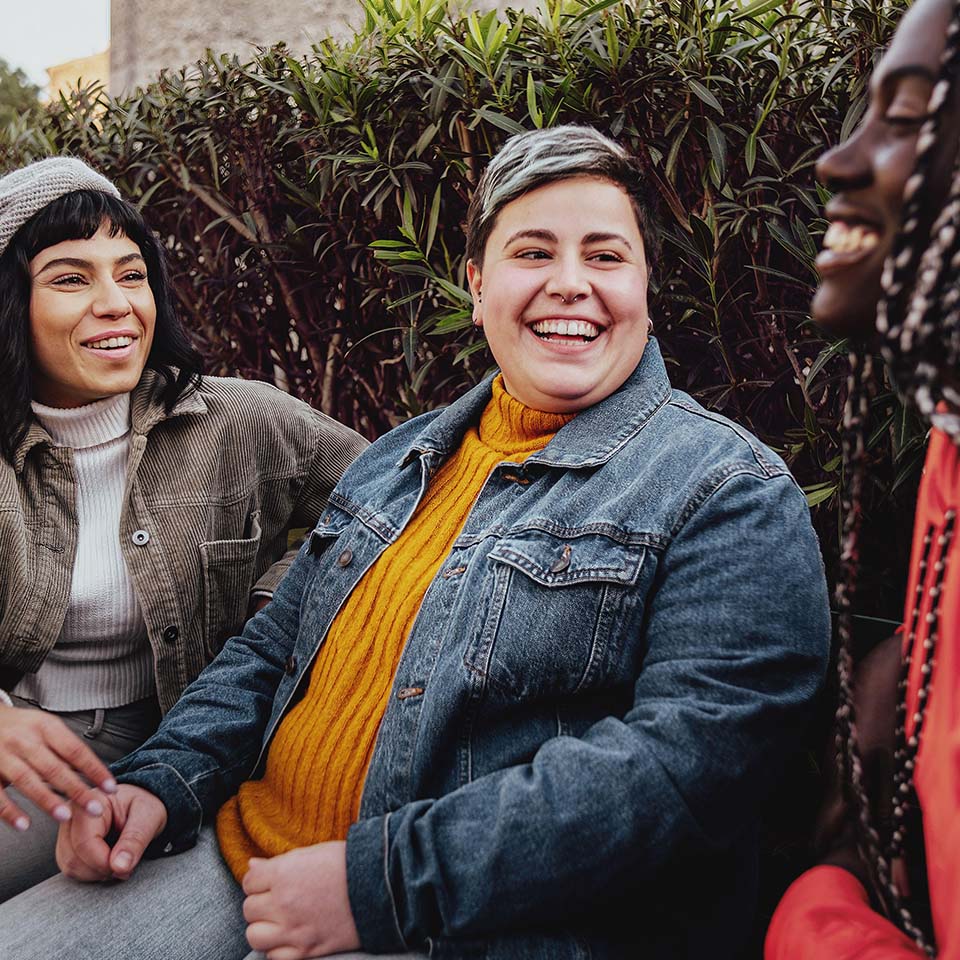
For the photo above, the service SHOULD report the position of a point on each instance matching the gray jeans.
(186, 907)
(27, 858)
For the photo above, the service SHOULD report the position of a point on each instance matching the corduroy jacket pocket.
(228, 574)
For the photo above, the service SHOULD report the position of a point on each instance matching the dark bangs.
(78, 216)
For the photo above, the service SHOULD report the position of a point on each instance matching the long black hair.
(918, 318)
(78, 216)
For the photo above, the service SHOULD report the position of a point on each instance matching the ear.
(474, 281)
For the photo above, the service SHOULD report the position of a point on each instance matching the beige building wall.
(148, 35)
(78, 73)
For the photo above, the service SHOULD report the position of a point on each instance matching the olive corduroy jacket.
(213, 487)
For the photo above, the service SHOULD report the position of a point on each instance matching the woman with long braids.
(889, 879)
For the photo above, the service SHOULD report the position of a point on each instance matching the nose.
(847, 165)
(110, 300)
(568, 280)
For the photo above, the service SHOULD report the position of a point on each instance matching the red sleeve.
(826, 915)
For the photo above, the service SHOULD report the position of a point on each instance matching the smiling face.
(562, 294)
(868, 172)
(92, 317)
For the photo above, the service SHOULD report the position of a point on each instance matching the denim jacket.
(591, 705)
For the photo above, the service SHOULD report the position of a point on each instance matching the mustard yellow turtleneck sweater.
(315, 769)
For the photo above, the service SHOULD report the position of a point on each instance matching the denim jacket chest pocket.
(559, 610)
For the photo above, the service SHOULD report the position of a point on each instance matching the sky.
(36, 34)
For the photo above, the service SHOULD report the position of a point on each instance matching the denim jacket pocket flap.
(553, 561)
(330, 525)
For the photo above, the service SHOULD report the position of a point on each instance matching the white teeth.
(110, 343)
(842, 238)
(568, 328)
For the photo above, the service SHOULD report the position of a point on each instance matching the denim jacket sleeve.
(728, 674)
(209, 742)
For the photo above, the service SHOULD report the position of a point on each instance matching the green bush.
(313, 206)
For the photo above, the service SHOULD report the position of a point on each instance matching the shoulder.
(712, 444)
(254, 405)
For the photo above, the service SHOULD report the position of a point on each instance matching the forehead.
(577, 204)
(919, 40)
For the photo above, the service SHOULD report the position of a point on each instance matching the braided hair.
(918, 318)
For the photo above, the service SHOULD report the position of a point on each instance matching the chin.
(837, 309)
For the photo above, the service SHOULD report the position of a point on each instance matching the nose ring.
(573, 299)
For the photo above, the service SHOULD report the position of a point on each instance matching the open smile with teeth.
(110, 343)
(843, 238)
(577, 329)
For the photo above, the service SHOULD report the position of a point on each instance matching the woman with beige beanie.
(144, 510)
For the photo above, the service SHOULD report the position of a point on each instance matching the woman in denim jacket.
(527, 684)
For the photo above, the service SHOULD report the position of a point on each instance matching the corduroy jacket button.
(345, 558)
(171, 634)
(290, 666)
(140, 537)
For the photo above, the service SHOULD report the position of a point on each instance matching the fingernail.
(123, 861)
(109, 786)
(61, 813)
(21, 824)
(94, 808)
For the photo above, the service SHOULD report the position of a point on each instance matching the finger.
(257, 877)
(10, 813)
(264, 935)
(82, 852)
(59, 777)
(257, 907)
(136, 835)
(27, 781)
(79, 757)
(287, 953)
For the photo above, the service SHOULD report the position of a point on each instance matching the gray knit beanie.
(28, 190)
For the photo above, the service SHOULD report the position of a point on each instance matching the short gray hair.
(538, 157)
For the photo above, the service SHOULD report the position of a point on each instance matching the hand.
(82, 849)
(46, 761)
(297, 904)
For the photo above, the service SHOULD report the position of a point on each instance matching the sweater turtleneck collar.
(86, 426)
(512, 428)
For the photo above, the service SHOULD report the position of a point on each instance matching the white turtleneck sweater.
(102, 657)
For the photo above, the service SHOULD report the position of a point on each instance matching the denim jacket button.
(562, 562)
(290, 665)
(140, 537)
(345, 558)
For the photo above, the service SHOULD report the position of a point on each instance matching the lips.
(851, 237)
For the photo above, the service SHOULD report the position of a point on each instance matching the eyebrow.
(550, 237)
(86, 264)
(887, 80)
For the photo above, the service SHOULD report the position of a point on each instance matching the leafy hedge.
(313, 205)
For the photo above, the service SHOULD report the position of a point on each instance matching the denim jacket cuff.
(371, 901)
(184, 814)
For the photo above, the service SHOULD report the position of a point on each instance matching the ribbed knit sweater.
(311, 788)
(102, 657)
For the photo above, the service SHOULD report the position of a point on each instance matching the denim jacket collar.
(146, 411)
(588, 440)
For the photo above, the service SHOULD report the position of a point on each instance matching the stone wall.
(148, 35)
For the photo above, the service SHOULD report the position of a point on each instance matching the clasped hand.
(297, 904)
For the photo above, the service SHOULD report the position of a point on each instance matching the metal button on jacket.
(171, 634)
(290, 666)
(140, 537)
(345, 558)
